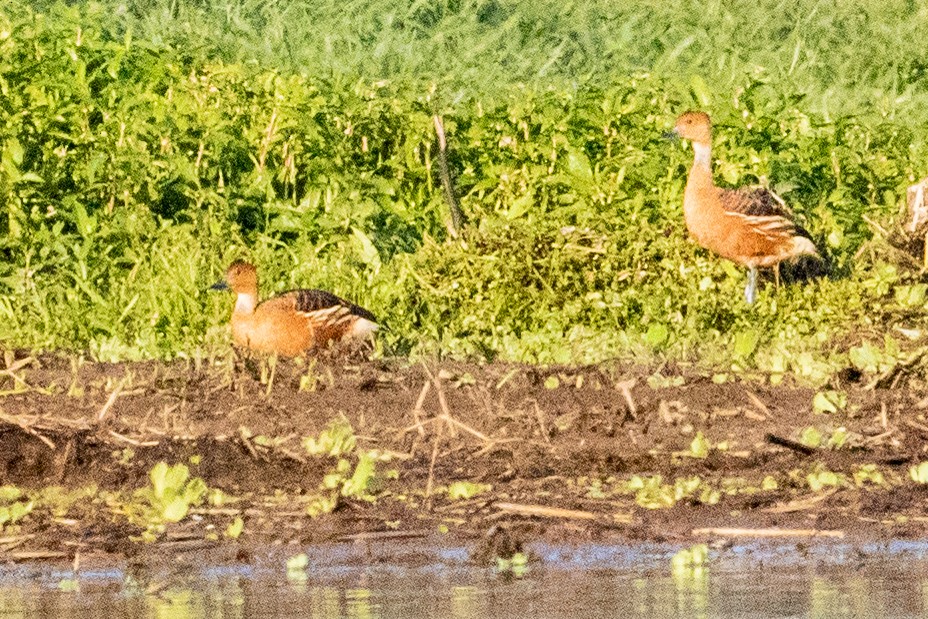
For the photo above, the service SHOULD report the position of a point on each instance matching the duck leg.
(750, 291)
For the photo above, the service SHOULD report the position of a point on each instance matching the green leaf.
(866, 357)
(368, 252)
(657, 335)
(12, 157)
(869, 473)
(175, 477)
(336, 440)
(195, 491)
(919, 473)
(8, 494)
(175, 510)
(235, 528)
(823, 479)
(829, 401)
(520, 206)
(322, 505)
(701, 90)
(811, 437)
(158, 476)
(911, 296)
(745, 343)
(460, 490)
(360, 481)
(578, 164)
(700, 446)
(86, 224)
(838, 438)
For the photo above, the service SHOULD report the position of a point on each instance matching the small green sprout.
(824, 479)
(838, 438)
(235, 528)
(868, 473)
(829, 401)
(700, 446)
(461, 490)
(12, 513)
(811, 437)
(336, 440)
(168, 498)
(919, 473)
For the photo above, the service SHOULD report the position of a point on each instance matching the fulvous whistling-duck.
(293, 322)
(750, 225)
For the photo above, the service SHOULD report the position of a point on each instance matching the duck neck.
(702, 160)
(245, 302)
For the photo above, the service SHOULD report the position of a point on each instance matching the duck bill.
(672, 135)
(220, 285)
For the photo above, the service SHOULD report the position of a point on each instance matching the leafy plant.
(360, 481)
(830, 401)
(141, 151)
(462, 490)
(652, 493)
(919, 473)
(700, 446)
(336, 440)
(12, 510)
(168, 498)
(823, 478)
(235, 528)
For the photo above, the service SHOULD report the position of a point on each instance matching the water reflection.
(732, 586)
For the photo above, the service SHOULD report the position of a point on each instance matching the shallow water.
(410, 581)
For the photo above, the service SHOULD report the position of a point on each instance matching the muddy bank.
(551, 454)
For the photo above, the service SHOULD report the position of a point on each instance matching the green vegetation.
(360, 480)
(12, 510)
(463, 490)
(143, 146)
(919, 473)
(168, 498)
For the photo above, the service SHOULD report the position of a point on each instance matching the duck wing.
(320, 305)
(763, 210)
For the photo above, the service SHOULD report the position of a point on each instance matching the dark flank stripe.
(760, 202)
(315, 300)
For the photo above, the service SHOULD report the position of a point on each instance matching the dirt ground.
(555, 444)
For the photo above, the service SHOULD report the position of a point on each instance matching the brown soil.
(542, 448)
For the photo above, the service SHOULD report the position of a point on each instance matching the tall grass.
(843, 57)
(145, 145)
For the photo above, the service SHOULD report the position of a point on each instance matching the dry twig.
(760, 406)
(789, 444)
(799, 505)
(736, 532)
(542, 511)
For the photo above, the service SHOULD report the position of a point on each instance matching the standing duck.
(750, 225)
(290, 323)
